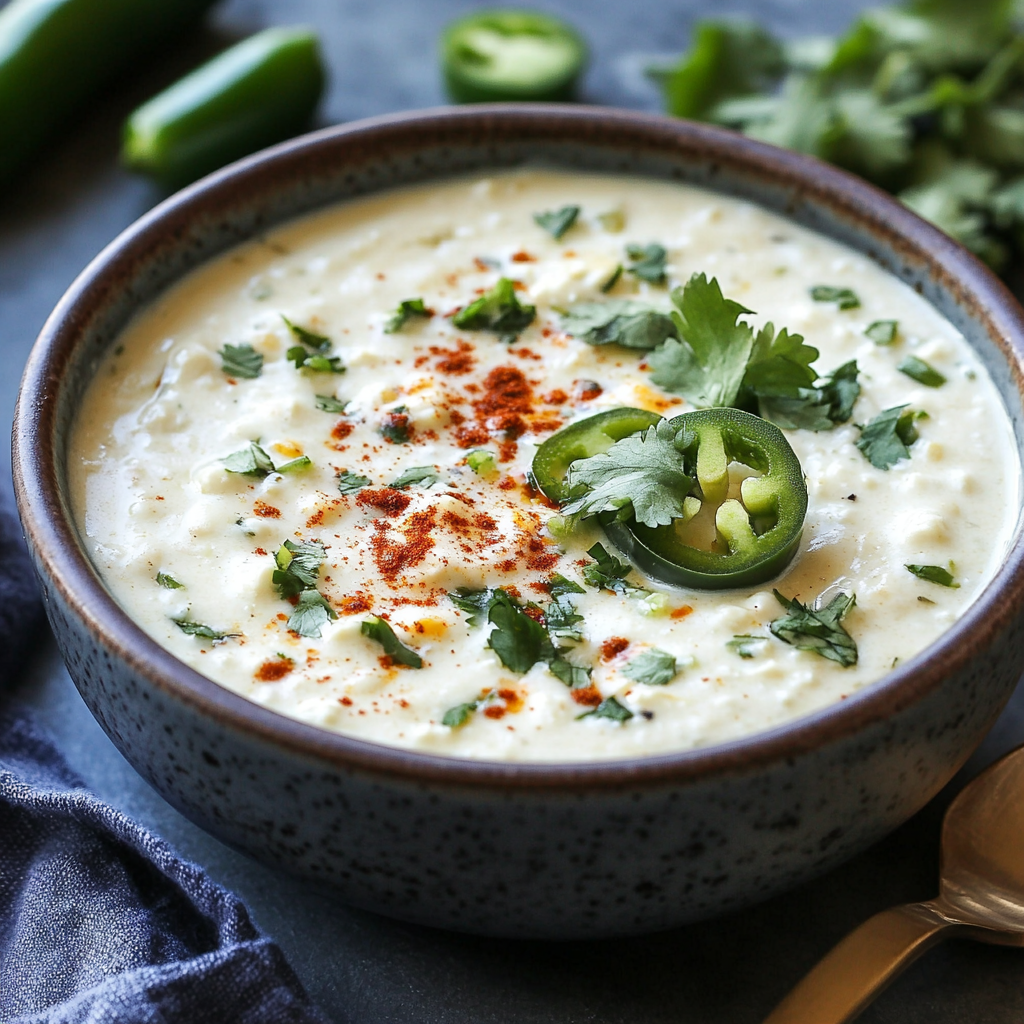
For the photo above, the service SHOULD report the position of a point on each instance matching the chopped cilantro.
(934, 574)
(562, 619)
(427, 476)
(481, 461)
(654, 667)
(328, 403)
(380, 631)
(821, 407)
(618, 322)
(190, 628)
(559, 586)
(919, 370)
(251, 461)
(312, 351)
(407, 309)
(611, 280)
(844, 298)
(882, 332)
(302, 462)
(557, 222)
(241, 361)
(606, 572)
(460, 714)
(647, 262)
(744, 645)
(477, 603)
(498, 310)
(395, 427)
(819, 631)
(312, 612)
(349, 482)
(576, 677)
(642, 475)
(165, 579)
(297, 567)
(518, 640)
(886, 440)
(609, 708)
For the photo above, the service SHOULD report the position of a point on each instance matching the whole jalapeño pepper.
(756, 533)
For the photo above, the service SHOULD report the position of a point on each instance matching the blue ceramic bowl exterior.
(530, 850)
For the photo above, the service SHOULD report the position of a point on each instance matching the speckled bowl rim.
(52, 533)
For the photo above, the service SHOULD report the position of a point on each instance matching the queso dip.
(332, 385)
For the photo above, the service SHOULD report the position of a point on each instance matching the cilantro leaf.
(576, 677)
(328, 403)
(380, 631)
(460, 714)
(407, 309)
(476, 603)
(618, 322)
(251, 461)
(349, 482)
(886, 440)
(302, 462)
(312, 612)
(241, 361)
(190, 628)
(882, 332)
(559, 586)
(165, 579)
(647, 262)
(395, 426)
(606, 572)
(934, 574)
(312, 351)
(642, 475)
(708, 364)
(562, 619)
(821, 407)
(609, 708)
(557, 222)
(845, 298)
(819, 631)
(744, 644)
(518, 640)
(612, 279)
(654, 668)
(922, 372)
(498, 310)
(779, 364)
(425, 475)
(297, 567)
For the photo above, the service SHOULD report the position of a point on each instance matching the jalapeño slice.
(756, 534)
(511, 55)
(592, 436)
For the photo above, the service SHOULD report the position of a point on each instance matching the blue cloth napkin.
(99, 920)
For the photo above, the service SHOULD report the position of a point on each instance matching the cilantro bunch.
(925, 99)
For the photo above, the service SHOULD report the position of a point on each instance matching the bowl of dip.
(368, 482)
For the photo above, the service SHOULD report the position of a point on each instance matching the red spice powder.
(341, 430)
(275, 669)
(588, 696)
(393, 556)
(482, 521)
(454, 361)
(523, 257)
(389, 500)
(471, 437)
(507, 395)
(587, 390)
(260, 551)
(613, 647)
(681, 612)
(261, 508)
(495, 710)
(556, 397)
(355, 604)
(347, 701)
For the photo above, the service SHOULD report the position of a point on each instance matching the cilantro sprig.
(934, 574)
(607, 572)
(647, 262)
(297, 567)
(425, 476)
(380, 631)
(241, 361)
(557, 222)
(350, 483)
(201, 630)
(653, 668)
(618, 322)
(820, 631)
(498, 310)
(312, 612)
(887, 438)
(254, 461)
(313, 350)
(407, 310)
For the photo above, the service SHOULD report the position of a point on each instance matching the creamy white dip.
(152, 494)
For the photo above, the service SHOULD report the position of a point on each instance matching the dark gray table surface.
(359, 967)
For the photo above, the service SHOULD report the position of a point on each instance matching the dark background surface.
(359, 967)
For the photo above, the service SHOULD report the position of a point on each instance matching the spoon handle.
(858, 968)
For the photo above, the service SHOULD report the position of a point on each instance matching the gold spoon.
(981, 896)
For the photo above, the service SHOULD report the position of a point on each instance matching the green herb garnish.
(844, 298)
(609, 708)
(395, 427)
(298, 567)
(576, 677)
(481, 461)
(407, 309)
(476, 603)
(819, 631)
(426, 476)
(934, 574)
(241, 361)
(499, 310)
(165, 579)
(328, 403)
(647, 262)
(606, 572)
(654, 668)
(312, 351)
(190, 628)
(251, 461)
(744, 645)
(882, 332)
(460, 714)
(557, 222)
(919, 370)
(611, 280)
(380, 631)
(349, 482)
(618, 322)
(518, 640)
(312, 612)
(886, 440)
(294, 465)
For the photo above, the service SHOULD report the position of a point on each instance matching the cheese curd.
(153, 496)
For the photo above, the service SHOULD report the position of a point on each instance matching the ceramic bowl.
(541, 850)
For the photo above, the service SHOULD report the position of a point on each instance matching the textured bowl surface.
(555, 851)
